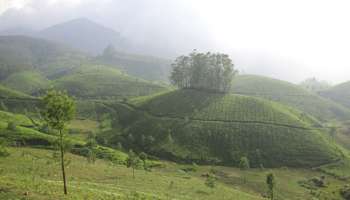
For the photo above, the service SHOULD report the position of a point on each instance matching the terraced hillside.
(291, 95)
(10, 93)
(104, 82)
(33, 65)
(28, 82)
(216, 128)
(339, 93)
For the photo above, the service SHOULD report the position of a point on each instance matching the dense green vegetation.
(217, 128)
(205, 71)
(339, 93)
(289, 94)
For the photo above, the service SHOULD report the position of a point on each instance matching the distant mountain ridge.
(85, 35)
(81, 33)
(339, 93)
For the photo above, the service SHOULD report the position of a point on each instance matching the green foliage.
(133, 161)
(143, 156)
(18, 119)
(10, 93)
(210, 180)
(11, 126)
(345, 192)
(3, 107)
(271, 184)
(29, 82)
(208, 71)
(244, 163)
(91, 145)
(289, 94)
(59, 109)
(314, 183)
(3, 150)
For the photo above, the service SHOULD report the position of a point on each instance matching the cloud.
(289, 39)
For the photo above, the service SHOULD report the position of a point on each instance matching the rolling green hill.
(28, 82)
(10, 93)
(339, 93)
(104, 82)
(32, 65)
(289, 94)
(216, 128)
(20, 53)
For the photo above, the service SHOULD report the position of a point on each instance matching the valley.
(129, 126)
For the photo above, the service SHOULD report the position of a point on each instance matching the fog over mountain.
(290, 40)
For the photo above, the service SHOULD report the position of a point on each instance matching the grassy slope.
(207, 126)
(33, 174)
(339, 93)
(100, 81)
(28, 82)
(10, 93)
(289, 94)
(17, 118)
(100, 181)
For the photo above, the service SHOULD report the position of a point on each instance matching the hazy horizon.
(288, 40)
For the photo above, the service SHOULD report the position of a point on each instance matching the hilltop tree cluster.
(207, 71)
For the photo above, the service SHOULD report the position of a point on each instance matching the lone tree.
(271, 182)
(91, 146)
(59, 109)
(132, 162)
(211, 180)
(208, 71)
(244, 163)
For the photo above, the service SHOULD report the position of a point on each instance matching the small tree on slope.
(132, 162)
(59, 109)
(271, 182)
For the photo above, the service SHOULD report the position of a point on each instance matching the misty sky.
(290, 40)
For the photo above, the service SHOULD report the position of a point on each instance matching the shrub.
(210, 181)
(3, 150)
(345, 192)
(11, 126)
(3, 106)
(192, 168)
(244, 163)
